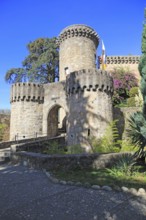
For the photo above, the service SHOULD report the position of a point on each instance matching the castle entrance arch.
(56, 121)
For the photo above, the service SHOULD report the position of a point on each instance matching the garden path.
(28, 194)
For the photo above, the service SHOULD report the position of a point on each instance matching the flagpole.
(103, 56)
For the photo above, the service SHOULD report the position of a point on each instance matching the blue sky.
(118, 22)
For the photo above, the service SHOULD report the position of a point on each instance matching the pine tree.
(41, 65)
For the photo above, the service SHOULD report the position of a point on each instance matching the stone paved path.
(28, 194)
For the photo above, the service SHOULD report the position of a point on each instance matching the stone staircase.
(5, 155)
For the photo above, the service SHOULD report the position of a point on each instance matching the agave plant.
(137, 133)
(124, 166)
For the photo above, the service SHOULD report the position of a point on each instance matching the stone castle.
(80, 104)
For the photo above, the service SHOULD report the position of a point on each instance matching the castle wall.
(54, 98)
(26, 110)
(90, 105)
(129, 62)
(78, 45)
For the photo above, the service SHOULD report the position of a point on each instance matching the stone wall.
(122, 115)
(66, 162)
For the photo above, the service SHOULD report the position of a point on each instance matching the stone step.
(5, 155)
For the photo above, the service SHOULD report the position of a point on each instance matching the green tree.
(137, 122)
(41, 65)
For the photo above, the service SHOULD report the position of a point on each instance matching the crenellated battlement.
(122, 59)
(27, 92)
(78, 31)
(91, 79)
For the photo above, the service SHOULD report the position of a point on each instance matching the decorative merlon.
(78, 31)
(122, 59)
(27, 92)
(90, 80)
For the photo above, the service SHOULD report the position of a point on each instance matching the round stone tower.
(78, 45)
(89, 91)
(89, 96)
(26, 110)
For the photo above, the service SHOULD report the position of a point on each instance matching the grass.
(105, 177)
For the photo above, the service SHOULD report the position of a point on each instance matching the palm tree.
(137, 133)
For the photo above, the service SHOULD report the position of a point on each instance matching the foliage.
(137, 132)
(16, 75)
(143, 46)
(131, 102)
(53, 148)
(124, 80)
(133, 94)
(109, 142)
(2, 130)
(127, 146)
(133, 91)
(104, 177)
(75, 149)
(139, 99)
(95, 145)
(41, 65)
(124, 166)
(137, 122)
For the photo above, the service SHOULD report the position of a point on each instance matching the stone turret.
(89, 80)
(90, 105)
(26, 110)
(78, 45)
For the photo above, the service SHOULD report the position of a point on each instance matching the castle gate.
(56, 121)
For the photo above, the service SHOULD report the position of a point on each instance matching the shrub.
(126, 146)
(139, 99)
(53, 148)
(124, 80)
(125, 166)
(133, 91)
(137, 133)
(109, 142)
(131, 102)
(136, 99)
(75, 149)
